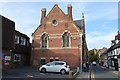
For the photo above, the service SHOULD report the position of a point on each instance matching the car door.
(49, 67)
(58, 66)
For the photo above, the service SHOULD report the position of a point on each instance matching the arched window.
(66, 39)
(44, 41)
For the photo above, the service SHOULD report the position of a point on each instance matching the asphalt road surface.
(32, 73)
(101, 73)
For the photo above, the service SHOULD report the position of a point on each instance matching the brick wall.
(55, 33)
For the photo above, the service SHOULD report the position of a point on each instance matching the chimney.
(43, 15)
(83, 15)
(69, 11)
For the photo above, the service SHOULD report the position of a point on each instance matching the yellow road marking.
(93, 76)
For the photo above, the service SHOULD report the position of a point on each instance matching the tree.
(93, 56)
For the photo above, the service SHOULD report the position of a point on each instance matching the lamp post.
(80, 54)
(81, 61)
(32, 51)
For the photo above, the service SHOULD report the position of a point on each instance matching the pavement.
(111, 70)
(83, 75)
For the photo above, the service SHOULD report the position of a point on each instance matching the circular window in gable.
(55, 22)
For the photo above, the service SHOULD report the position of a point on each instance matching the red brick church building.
(59, 37)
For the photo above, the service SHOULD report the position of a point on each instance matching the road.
(101, 73)
(31, 72)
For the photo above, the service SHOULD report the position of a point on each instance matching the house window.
(119, 62)
(55, 22)
(51, 59)
(57, 59)
(43, 61)
(118, 51)
(23, 41)
(7, 60)
(17, 58)
(27, 43)
(112, 63)
(44, 41)
(66, 39)
(16, 39)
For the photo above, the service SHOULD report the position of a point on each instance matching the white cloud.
(105, 11)
(27, 20)
(101, 40)
(1, 4)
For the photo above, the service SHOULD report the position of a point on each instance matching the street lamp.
(80, 57)
(80, 48)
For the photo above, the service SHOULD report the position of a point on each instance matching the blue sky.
(101, 18)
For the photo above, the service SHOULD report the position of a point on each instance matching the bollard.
(71, 74)
(78, 69)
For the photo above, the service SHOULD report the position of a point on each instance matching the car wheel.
(43, 70)
(63, 71)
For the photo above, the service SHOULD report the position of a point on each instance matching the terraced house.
(59, 37)
(114, 53)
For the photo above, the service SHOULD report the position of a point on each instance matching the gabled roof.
(36, 29)
(79, 23)
(110, 49)
(19, 33)
(114, 47)
(117, 37)
(55, 6)
(3, 17)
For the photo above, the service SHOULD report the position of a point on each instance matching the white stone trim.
(58, 48)
(51, 58)
(56, 57)
(42, 58)
(57, 34)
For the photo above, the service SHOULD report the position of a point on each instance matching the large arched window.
(66, 39)
(44, 41)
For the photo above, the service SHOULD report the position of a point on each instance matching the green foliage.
(92, 56)
(97, 55)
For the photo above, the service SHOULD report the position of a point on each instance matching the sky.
(101, 18)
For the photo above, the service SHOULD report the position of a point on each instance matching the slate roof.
(79, 23)
(117, 37)
(110, 49)
(114, 47)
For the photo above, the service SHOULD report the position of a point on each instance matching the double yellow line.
(92, 75)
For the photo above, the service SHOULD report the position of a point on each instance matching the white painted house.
(114, 54)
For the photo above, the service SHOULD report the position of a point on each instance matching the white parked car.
(94, 63)
(55, 66)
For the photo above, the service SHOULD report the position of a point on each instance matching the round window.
(54, 22)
